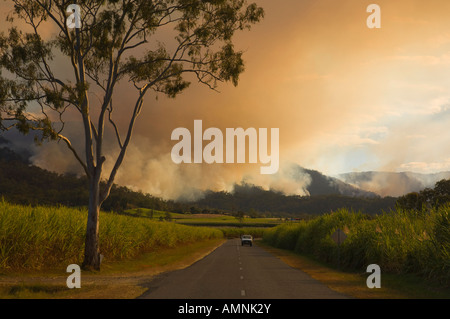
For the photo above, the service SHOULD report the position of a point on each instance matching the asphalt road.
(233, 271)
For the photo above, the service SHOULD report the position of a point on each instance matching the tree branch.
(69, 145)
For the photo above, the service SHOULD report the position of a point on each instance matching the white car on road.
(246, 240)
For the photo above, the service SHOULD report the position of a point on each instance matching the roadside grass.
(117, 280)
(38, 243)
(409, 246)
(30, 291)
(393, 286)
(39, 238)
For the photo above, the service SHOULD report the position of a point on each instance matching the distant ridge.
(326, 185)
(358, 184)
(392, 183)
(23, 183)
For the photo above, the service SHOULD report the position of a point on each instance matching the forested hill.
(321, 184)
(23, 183)
(249, 198)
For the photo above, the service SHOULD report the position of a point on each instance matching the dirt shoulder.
(121, 280)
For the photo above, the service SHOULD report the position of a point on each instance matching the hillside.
(326, 185)
(23, 183)
(248, 198)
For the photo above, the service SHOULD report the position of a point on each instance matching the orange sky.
(345, 98)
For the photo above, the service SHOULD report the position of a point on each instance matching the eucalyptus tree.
(104, 43)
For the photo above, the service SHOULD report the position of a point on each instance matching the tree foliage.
(427, 198)
(116, 41)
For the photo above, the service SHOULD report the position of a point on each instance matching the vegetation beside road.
(412, 247)
(34, 238)
(126, 279)
(400, 242)
(393, 286)
(48, 237)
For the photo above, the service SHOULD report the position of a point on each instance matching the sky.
(345, 98)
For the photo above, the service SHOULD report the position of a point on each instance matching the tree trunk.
(91, 249)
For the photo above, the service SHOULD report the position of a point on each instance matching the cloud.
(426, 167)
(344, 97)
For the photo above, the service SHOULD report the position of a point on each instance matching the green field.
(50, 237)
(403, 243)
(212, 220)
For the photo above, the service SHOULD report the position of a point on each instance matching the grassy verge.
(400, 242)
(393, 286)
(117, 280)
(40, 238)
(38, 243)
